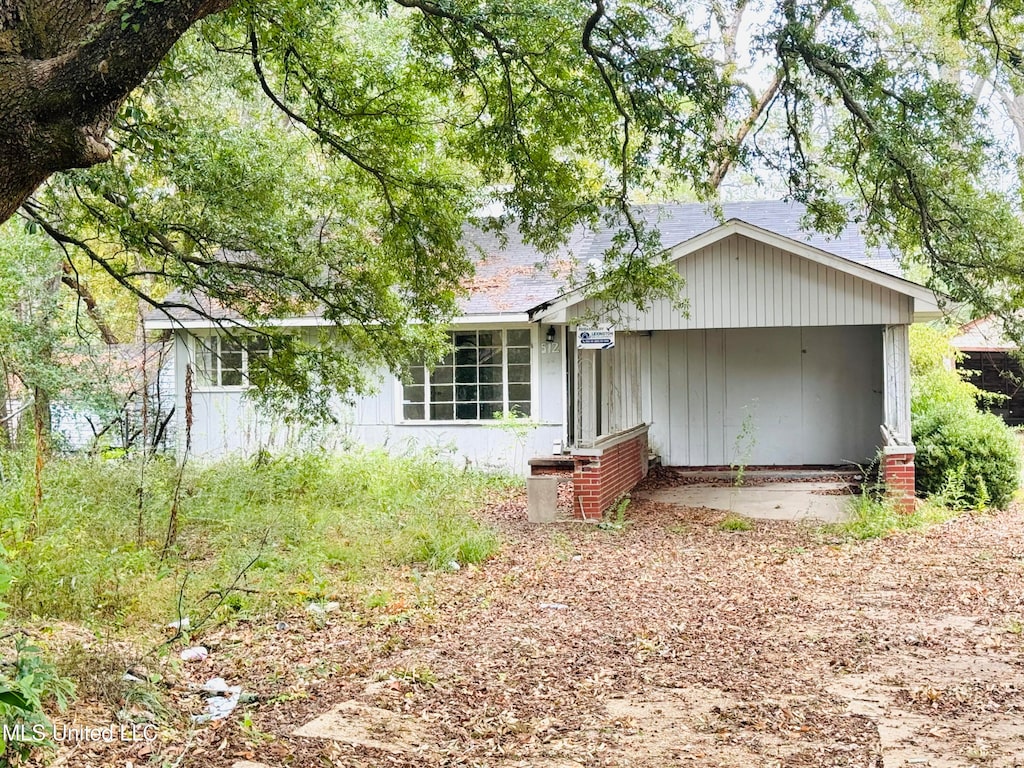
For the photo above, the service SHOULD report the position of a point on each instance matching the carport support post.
(896, 357)
(586, 397)
(898, 448)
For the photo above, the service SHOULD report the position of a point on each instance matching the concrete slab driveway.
(818, 501)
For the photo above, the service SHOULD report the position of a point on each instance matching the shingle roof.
(517, 277)
(513, 277)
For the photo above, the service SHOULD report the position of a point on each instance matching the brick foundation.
(605, 473)
(898, 474)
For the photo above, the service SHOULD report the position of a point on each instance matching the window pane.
(520, 409)
(257, 345)
(489, 338)
(465, 356)
(442, 394)
(413, 393)
(231, 377)
(413, 412)
(466, 393)
(518, 392)
(490, 374)
(519, 338)
(442, 412)
(519, 355)
(465, 375)
(465, 339)
(449, 359)
(492, 392)
(230, 364)
(443, 375)
(519, 373)
(465, 411)
(490, 410)
(206, 362)
(417, 374)
(230, 345)
(490, 356)
(230, 359)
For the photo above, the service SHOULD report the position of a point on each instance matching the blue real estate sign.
(595, 338)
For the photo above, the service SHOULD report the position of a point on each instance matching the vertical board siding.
(743, 283)
(896, 347)
(714, 365)
(776, 396)
(622, 383)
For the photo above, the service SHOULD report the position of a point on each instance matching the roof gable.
(741, 267)
(984, 334)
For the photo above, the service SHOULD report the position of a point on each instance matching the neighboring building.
(996, 364)
(124, 423)
(793, 352)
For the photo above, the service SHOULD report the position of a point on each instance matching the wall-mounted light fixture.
(550, 337)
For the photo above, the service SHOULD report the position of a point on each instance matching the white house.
(792, 351)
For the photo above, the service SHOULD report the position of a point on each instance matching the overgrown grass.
(733, 522)
(873, 516)
(288, 529)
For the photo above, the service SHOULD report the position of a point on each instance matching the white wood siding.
(621, 385)
(226, 422)
(742, 283)
(782, 396)
(896, 349)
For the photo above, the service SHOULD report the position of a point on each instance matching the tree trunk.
(65, 68)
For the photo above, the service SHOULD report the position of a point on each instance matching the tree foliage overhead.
(295, 156)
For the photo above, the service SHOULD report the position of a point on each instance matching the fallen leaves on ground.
(671, 643)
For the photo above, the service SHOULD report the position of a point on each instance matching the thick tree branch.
(71, 280)
(64, 75)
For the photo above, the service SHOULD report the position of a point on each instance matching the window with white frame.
(223, 361)
(486, 375)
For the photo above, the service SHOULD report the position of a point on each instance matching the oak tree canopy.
(287, 154)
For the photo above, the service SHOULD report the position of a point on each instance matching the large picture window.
(222, 361)
(487, 374)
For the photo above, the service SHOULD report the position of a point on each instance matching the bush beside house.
(965, 456)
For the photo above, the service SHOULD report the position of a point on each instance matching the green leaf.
(14, 699)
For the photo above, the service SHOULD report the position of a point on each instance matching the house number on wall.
(549, 347)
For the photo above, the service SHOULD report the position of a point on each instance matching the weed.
(99, 674)
(873, 515)
(562, 545)
(745, 442)
(30, 684)
(253, 734)
(733, 522)
(296, 526)
(379, 599)
(518, 426)
(618, 522)
(418, 675)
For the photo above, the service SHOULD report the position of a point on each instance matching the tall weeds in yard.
(324, 520)
(872, 515)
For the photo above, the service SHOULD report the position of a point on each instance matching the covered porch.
(783, 356)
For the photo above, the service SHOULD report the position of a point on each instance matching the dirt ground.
(667, 642)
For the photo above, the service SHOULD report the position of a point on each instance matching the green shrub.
(967, 458)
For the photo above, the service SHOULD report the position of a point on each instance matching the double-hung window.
(223, 361)
(486, 375)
